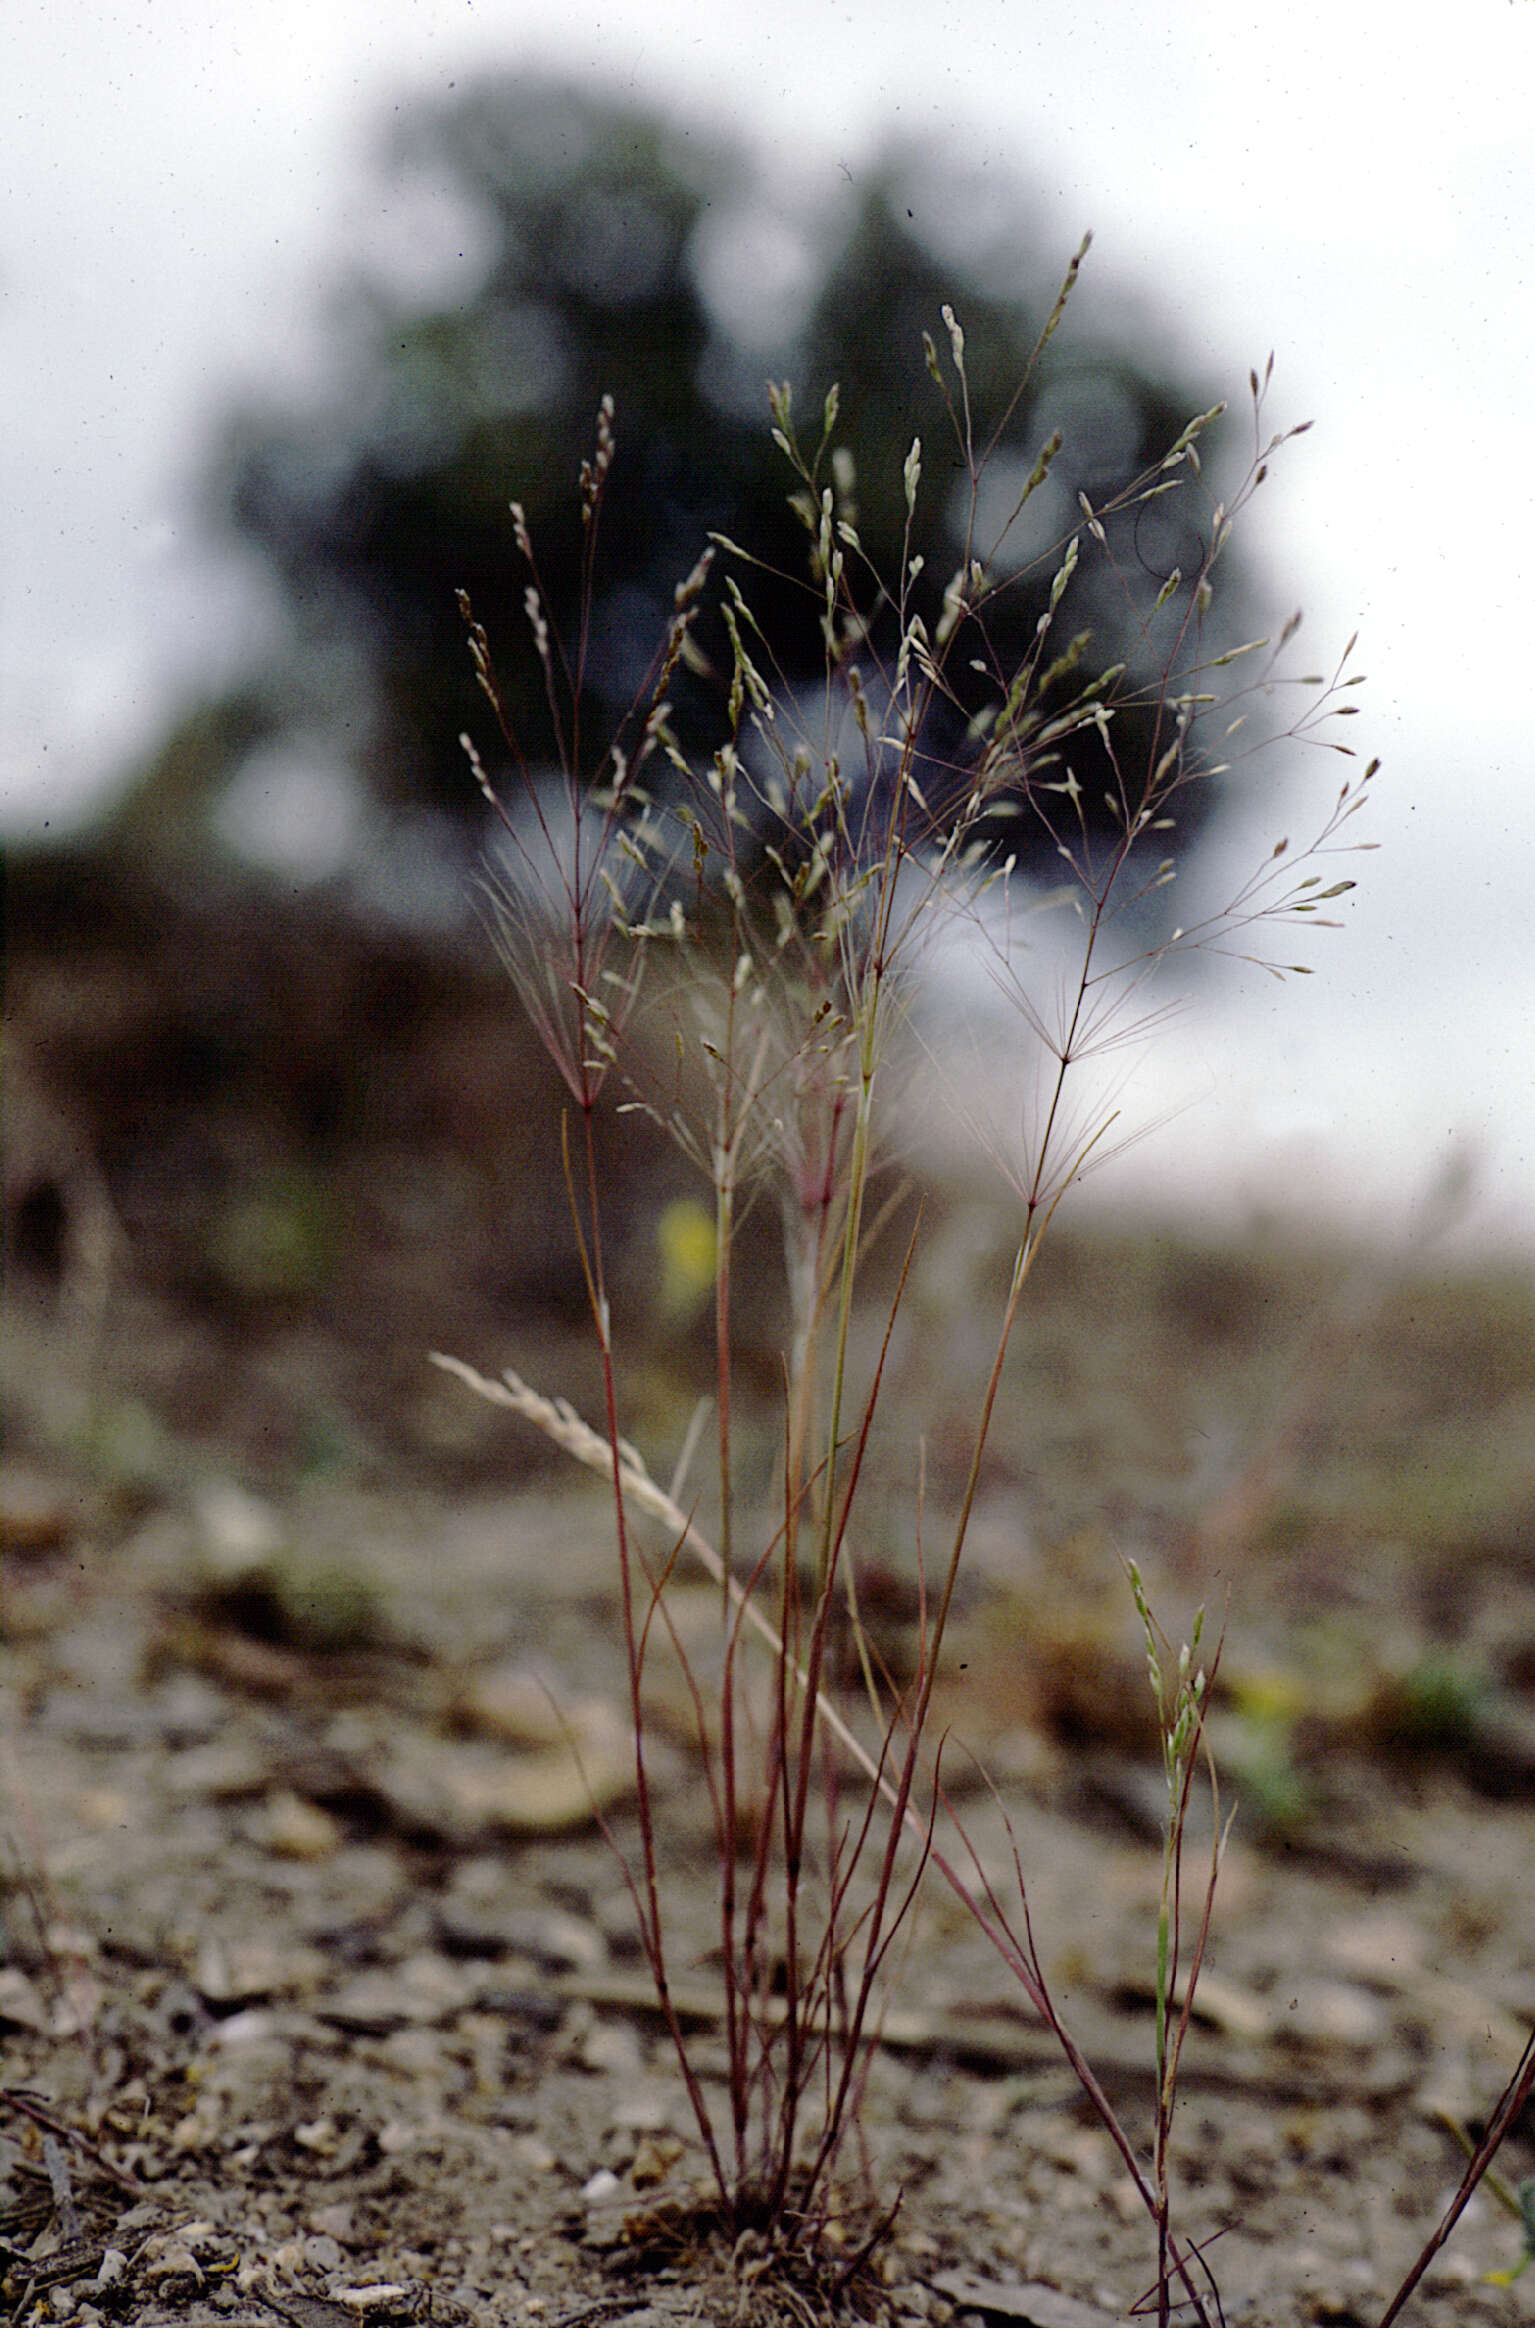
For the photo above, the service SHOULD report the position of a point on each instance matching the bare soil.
(320, 2000)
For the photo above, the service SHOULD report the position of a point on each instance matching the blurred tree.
(618, 253)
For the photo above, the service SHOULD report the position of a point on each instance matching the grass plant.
(771, 909)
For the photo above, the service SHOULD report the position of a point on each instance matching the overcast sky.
(1325, 180)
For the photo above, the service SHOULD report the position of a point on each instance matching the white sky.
(1347, 184)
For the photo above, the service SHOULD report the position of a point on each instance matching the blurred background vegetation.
(608, 251)
(254, 1024)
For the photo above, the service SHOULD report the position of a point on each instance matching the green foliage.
(1525, 2196)
(274, 1238)
(1439, 1704)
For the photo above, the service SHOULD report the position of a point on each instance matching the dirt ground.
(320, 1999)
